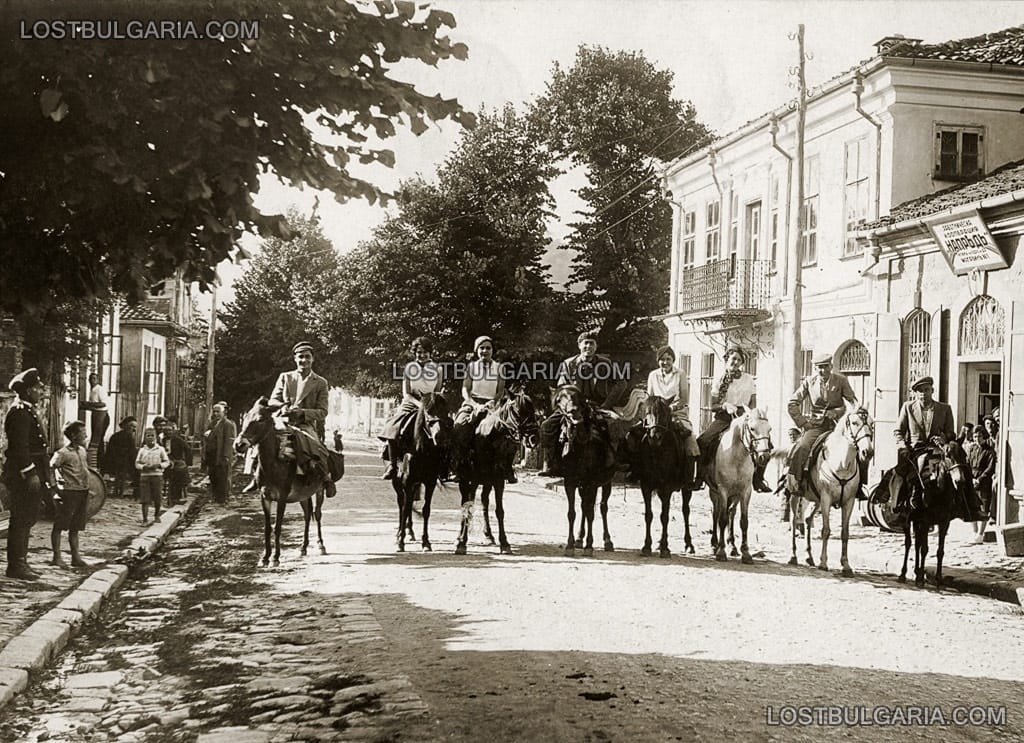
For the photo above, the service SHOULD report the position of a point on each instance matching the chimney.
(888, 43)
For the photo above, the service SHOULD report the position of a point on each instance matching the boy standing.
(151, 462)
(70, 466)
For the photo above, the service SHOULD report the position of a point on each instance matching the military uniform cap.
(26, 379)
(822, 358)
(923, 381)
(302, 346)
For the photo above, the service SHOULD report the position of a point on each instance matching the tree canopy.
(614, 113)
(123, 160)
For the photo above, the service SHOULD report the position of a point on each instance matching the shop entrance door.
(984, 381)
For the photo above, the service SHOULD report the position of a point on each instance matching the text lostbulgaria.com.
(916, 715)
(59, 29)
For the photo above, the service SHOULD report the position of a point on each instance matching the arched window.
(981, 327)
(917, 347)
(854, 359)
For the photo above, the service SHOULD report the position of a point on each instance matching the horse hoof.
(919, 582)
(902, 579)
(734, 552)
(588, 552)
(490, 540)
(690, 550)
(427, 548)
(323, 550)
(720, 556)
(570, 550)
(665, 552)
(609, 547)
(824, 567)
(506, 549)
(847, 572)
(810, 561)
(276, 563)
(746, 559)
(401, 547)
(264, 562)
(460, 549)
(646, 552)
(578, 543)
(302, 553)
(793, 561)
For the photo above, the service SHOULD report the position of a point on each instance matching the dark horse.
(938, 504)
(280, 484)
(493, 448)
(422, 463)
(587, 464)
(661, 470)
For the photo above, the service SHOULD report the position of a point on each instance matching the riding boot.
(698, 477)
(758, 480)
(392, 456)
(510, 475)
(552, 462)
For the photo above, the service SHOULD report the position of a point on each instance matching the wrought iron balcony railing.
(730, 285)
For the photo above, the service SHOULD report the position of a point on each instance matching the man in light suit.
(218, 452)
(302, 395)
(925, 423)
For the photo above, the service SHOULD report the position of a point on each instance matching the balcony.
(729, 287)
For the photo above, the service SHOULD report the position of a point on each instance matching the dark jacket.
(178, 449)
(26, 445)
(911, 430)
(983, 463)
(121, 453)
(591, 377)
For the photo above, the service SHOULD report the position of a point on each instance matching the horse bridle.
(750, 441)
(518, 428)
(857, 438)
(262, 438)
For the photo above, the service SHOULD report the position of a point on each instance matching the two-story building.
(912, 120)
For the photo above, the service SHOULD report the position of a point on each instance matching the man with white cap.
(826, 391)
(26, 471)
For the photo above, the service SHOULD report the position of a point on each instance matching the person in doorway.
(982, 458)
(70, 466)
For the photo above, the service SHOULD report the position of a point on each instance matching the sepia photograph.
(511, 370)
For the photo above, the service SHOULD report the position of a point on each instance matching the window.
(959, 155)
(751, 369)
(916, 349)
(773, 222)
(707, 382)
(753, 231)
(684, 371)
(689, 228)
(809, 237)
(712, 236)
(734, 226)
(153, 379)
(855, 193)
(378, 409)
(982, 326)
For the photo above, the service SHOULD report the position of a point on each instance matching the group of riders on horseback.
(925, 424)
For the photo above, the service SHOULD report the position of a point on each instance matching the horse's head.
(656, 417)
(569, 401)
(521, 415)
(757, 435)
(858, 428)
(433, 421)
(954, 463)
(257, 424)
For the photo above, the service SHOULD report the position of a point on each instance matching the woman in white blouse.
(420, 377)
(667, 382)
(733, 393)
(482, 389)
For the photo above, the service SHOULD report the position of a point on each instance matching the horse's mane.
(432, 405)
(657, 406)
(508, 414)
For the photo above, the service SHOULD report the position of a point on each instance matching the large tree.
(122, 160)
(287, 293)
(462, 257)
(614, 113)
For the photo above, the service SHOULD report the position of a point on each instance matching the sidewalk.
(38, 617)
(980, 569)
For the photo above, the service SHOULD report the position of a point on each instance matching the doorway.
(982, 386)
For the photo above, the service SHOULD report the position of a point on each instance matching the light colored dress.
(669, 387)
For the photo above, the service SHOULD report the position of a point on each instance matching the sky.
(731, 59)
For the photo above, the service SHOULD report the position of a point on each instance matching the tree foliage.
(462, 257)
(124, 160)
(614, 113)
(287, 294)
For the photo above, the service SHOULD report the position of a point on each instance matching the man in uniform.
(925, 423)
(589, 372)
(302, 395)
(26, 470)
(825, 390)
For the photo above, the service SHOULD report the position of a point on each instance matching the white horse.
(747, 441)
(834, 480)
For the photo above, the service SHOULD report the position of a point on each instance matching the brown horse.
(493, 449)
(280, 482)
(587, 464)
(938, 503)
(423, 462)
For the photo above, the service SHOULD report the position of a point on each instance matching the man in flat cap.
(925, 423)
(302, 395)
(826, 391)
(26, 470)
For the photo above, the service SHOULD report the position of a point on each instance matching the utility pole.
(211, 350)
(798, 287)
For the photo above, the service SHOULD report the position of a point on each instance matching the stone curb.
(47, 636)
(1009, 592)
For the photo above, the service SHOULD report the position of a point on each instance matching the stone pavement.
(981, 569)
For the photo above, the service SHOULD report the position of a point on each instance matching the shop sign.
(967, 244)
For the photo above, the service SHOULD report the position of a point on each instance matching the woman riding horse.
(667, 382)
(483, 388)
(734, 391)
(420, 377)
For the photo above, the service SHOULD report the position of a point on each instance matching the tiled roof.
(141, 313)
(999, 47)
(1008, 178)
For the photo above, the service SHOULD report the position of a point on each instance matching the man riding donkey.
(733, 393)
(924, 430)
(826, 392)
(420, 377)
(589, 372)
(301, 397)
(482, 389)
